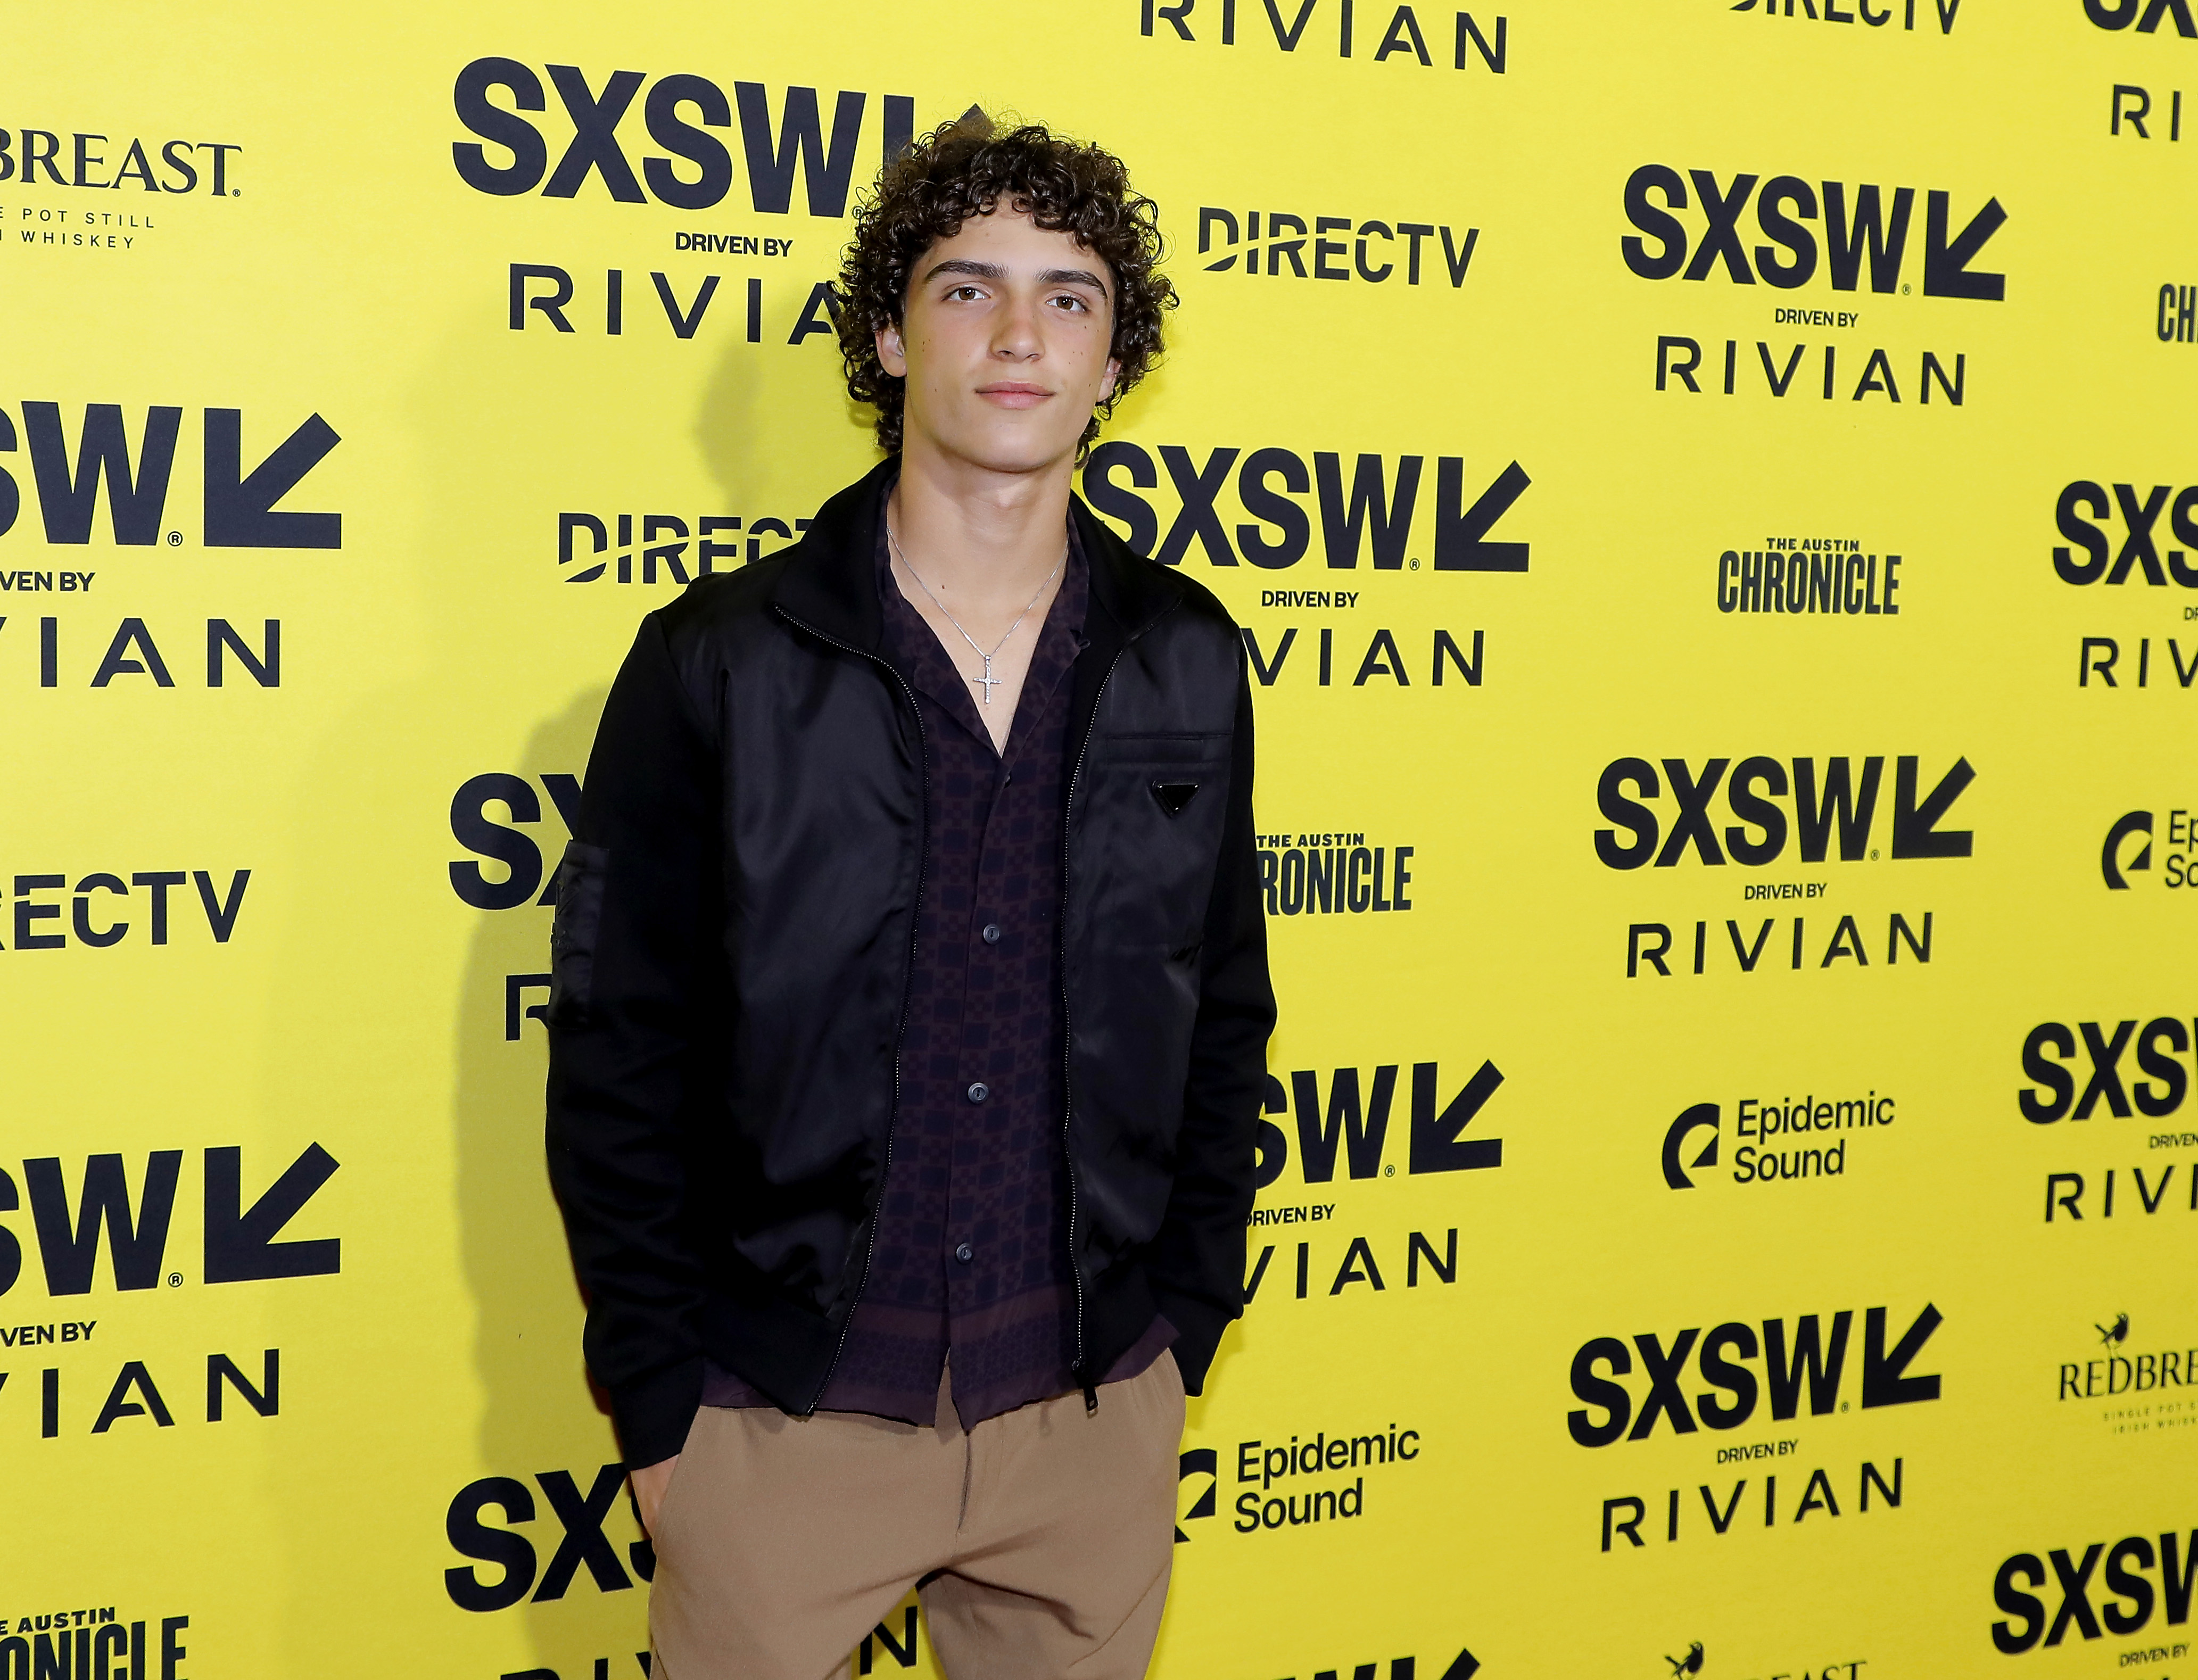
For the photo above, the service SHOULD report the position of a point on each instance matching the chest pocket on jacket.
(1154, 807)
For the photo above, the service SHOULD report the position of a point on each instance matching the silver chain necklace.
(988, 681)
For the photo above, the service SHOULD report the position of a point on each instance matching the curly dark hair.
(966, 168)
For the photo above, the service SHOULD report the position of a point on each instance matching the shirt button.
(991, 933)
(980, 1091)
(964, 1253)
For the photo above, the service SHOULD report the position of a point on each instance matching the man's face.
(1004, 344)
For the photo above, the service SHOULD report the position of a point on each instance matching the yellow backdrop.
(1707, 488)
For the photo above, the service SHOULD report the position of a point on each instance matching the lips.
(1014, 393)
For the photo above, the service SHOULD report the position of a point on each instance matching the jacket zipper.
(900, 1030)
(1067, 1091)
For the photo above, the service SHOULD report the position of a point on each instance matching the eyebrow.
(1053, 277)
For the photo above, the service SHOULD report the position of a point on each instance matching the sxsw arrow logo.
(239, 510)
(239, 1242)
(1463, 1666)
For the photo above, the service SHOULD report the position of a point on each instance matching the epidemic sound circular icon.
(2110, 865)
(1692, 1662)
(1675, 1142)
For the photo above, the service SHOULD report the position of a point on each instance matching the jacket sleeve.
(1197, 1258)
(630, 965)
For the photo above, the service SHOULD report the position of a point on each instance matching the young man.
(911, 997)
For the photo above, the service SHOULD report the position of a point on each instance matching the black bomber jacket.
(734, 932)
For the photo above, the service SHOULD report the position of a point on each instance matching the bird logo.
(1689, 1664)
(2116, 1332)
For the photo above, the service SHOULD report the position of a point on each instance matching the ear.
(892, 354)
(1107, 384)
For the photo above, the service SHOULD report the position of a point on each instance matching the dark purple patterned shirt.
(972, 1245)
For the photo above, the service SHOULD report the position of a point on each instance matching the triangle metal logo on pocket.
(1174, 795)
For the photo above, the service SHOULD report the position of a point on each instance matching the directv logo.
(1373, 249)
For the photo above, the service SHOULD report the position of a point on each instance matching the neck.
(982, 537)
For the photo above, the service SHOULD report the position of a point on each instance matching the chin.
(1017, 452)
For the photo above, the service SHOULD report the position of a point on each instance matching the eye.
(964, 293)
(1070, 301)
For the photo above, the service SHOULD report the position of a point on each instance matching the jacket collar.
(830, 583)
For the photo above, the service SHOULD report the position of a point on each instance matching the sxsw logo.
(2049, 1053)
(1375, 512)
(2146, 15)
(1783, 207)
(238, 506)
(1351, 1129)
(2129, 1593)
(1332, 240)
(501, 842)
(1796, 1357)
(1830, 802)
(238, 1241)
(2179, 864)
(679, 113)
(580, 1542)
(2138, 551)
(1463, 1666)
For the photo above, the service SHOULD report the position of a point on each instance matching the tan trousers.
(1040, 1541)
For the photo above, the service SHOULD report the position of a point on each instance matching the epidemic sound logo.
(2139, 551)
(43, 151)
(698, 172)
(1262, 1467)
(1404, 40)
(1377, 513)
(2179, 866)
(1814, 1362)
(239, 507)
(1754, 1162)
(1375, 264)
(2133, 1594)
(1785, 203)
(2120, 14)
(1843, 804)
(2117, 1371)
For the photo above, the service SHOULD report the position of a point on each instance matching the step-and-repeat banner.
(1710, 493)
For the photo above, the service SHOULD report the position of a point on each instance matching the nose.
(1015, 336)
